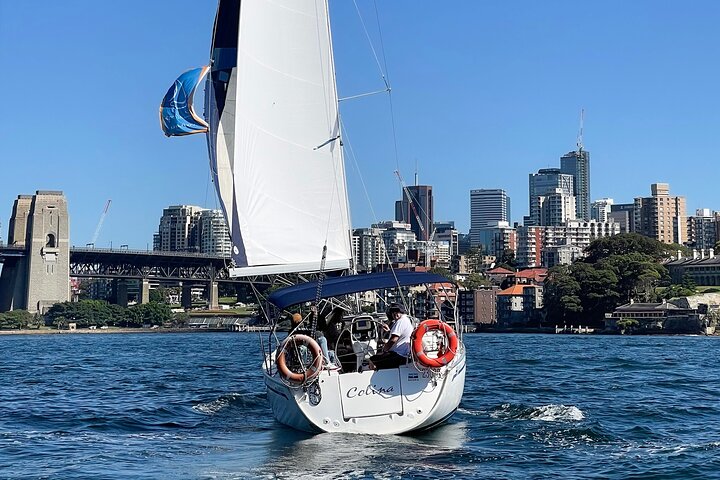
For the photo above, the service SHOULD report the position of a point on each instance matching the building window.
(50, 240)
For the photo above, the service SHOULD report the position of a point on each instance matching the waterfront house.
(663, 317)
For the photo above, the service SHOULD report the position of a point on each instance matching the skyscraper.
(416, 208)
(577, 164)
(550, 182)
(487, 207)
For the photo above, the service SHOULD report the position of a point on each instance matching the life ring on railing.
(294, 342)
(444, 357)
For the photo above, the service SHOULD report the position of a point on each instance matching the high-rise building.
(178, 230)
(556, 208)
(416, 208)
(395, 236)
(188, 228)
(624, 215)
(214, 233)
(661, 216)
(446, 232)
(498, 239)
(600, 209)
(487, 207)
(703, 229)
(577, 164)
(550, 182)
(368, 248)
(549, 245)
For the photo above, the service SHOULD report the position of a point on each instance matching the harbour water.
(167, 406)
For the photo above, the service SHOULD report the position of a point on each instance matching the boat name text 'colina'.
(369, 390)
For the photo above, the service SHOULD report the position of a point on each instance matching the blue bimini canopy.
(333, 287)
(177, 115)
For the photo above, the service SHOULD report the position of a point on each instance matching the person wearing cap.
(396, 350)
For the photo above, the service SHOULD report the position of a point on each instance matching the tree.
(638, 274)
(474, 259)
(507, 260)
(627, 324)
(562, 295)
(15, 319)
(624, 244)
(597, 293)
(444, 272)
(84, 313)
(475, 281)
(152, 313)
(158, 295)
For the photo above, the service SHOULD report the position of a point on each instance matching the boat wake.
(227, 401)
(543, 413)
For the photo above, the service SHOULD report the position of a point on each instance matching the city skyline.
(471, 112)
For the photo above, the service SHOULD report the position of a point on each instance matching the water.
(160, 406)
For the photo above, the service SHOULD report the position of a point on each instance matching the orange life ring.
(419, 350)
(295, 341)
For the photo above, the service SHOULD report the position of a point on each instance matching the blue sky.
(484, 93)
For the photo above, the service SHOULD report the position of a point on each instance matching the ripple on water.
(169, 406)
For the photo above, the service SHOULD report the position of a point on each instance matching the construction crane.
(580, 133)
(100, 224)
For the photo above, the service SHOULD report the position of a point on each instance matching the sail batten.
(268, 108)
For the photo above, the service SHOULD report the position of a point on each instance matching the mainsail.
(177, 116)
(274, 136)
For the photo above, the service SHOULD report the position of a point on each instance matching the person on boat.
(396, 350)
(320, 336)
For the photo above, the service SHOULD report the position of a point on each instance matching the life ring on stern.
(295, 342)
(445, 355)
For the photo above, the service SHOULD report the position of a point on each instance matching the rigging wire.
(383, 73)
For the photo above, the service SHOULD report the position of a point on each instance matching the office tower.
(661, 216)
(416, 208)
(623, 214)
(600, 209)
(577, 164)
(487, 207)
(550, 182)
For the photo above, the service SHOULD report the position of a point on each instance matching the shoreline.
(86, 331)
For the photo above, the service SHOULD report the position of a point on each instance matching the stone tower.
(41, 225)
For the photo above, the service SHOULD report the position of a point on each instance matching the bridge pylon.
(39, 279)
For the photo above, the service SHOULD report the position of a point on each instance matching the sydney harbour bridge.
(38, 262)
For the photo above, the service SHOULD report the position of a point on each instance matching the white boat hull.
(389, 401)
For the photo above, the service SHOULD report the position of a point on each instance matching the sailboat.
(275, 146)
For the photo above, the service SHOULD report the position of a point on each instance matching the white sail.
(274, 136)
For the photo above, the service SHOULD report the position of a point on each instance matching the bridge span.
(38, 261)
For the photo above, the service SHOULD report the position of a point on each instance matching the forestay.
(275, 153)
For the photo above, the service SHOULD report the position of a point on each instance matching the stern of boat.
(391, 401)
